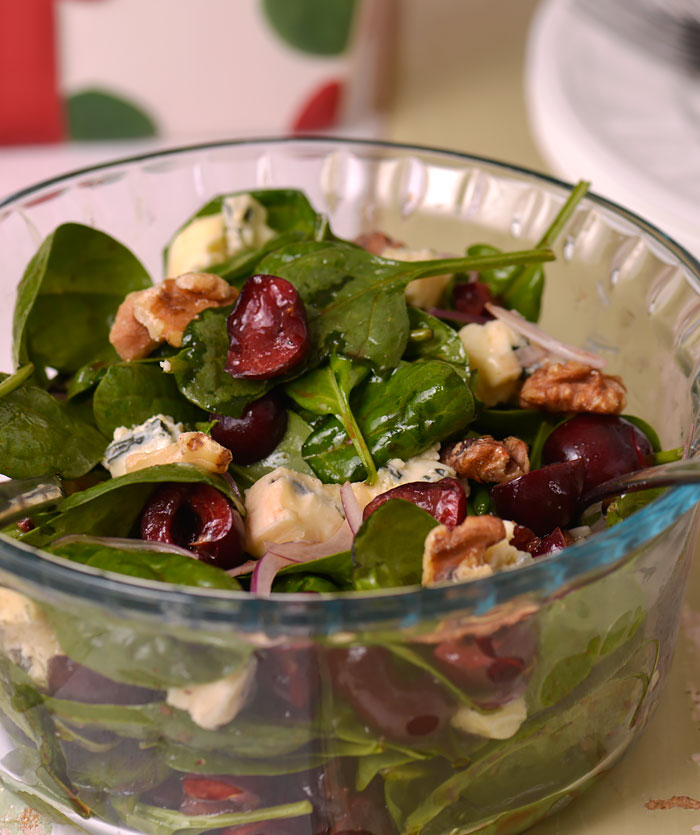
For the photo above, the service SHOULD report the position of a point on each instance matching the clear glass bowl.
(479, 707)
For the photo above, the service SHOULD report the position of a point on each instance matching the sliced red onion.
(457, 316)
(535, 334)
(353, 511)
(278, 556)
(123, 543)
(228, 478)
(243, 568)
(530, 355)
(265, 571)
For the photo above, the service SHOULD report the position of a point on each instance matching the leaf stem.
(14, 381)
(560, 221)
(666, 455)
(353, 430)
(424, 269)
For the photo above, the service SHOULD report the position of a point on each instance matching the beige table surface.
(458, 85)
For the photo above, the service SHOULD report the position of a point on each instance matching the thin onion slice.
(353, 511)
(530, 355)
(123, 543)
(243, 568)
(535, 334)
(458, 316)
(279, 555)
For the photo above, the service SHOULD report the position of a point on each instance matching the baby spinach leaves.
(39, 436)
(420, 404)
(359, 297)
(68, 297)
(388, 548)
(443, 343)
(130, 393)
(149, 565)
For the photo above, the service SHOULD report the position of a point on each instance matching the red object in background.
(321, 110)
(30, 105)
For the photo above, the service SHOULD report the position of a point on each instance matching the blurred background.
(605, 90)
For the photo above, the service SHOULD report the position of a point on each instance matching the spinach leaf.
(388, 548)
(326, 391)
(523, 423)
(126, 770)
(420, 404)
(199, 367)
(150, 565)
(338, 567)
(68, 297)
(130, 393)
(22, 703)
(359, 297)
(39, 436)
(287, 454)
(111, 507)
(629, 503)
(85, 379)
(151, 724)
(154, 820)
(444, 343)
(289, 213)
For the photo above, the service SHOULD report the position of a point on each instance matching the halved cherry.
(444, 499)
(256, 432)
(196, 517)
(543, 499)
(268, 331)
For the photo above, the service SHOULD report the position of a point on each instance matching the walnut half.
(161, 313)
(485, 459)
(458, 554)
(573, 387)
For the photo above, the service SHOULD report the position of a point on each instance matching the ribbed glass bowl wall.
(350, 721)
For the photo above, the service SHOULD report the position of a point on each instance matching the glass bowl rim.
(405, 607)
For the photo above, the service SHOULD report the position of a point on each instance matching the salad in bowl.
(322, 554)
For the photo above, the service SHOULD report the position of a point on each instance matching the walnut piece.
(573, 387)
(161, 313)
(195, 448)
(485, 459)
(458, 554)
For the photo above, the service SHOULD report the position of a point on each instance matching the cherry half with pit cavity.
(196, 517)
(268, 330)
(256, 432)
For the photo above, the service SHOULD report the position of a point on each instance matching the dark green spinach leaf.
(359, 297)
(149, 565)
(39, 436)
(130, 393)
(444, 344)
(199, 367)
(68, 297)
(420, 404)
(111, 507)
(388, 548)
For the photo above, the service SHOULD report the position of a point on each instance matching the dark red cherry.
(543, 499)
(256, 432)
(609, 446)
(69, 680)
(400, 701)
(268, 331)
(471, 297)
(196, 517)
(444, 499)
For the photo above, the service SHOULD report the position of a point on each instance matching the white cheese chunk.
(215, 703)
(502, 723)
(26, 635)
(423, 292)
(285, 506)
(209, 240)
(490, 351)
(154, 434)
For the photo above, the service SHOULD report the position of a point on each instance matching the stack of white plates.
(605, 110)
